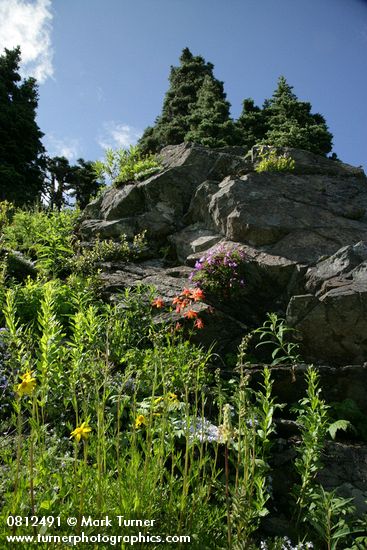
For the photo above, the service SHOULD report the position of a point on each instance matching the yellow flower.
(27, 385)
(172, 397)
(140, 421)
(158, 400)
(82, 432)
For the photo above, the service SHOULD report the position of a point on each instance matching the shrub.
(220, 271)
(270, 161)
(126, 166)
(6, 213)
(86, 262)
(46, 237)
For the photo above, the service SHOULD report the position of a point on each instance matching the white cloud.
(69, 148)
(28, 24)
(118, 135)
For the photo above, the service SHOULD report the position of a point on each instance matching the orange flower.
(191, 314)
(178, 326)
(158, 303)
(197, 294)
(176, 301)
(199, 323)
(186, 292)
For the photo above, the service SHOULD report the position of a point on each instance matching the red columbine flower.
(199, 323)
(191, 314)
(197, 294)
(178, 326)
(178, 303)
(158, 303)
(186, 292)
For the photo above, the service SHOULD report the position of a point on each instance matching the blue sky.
(103, 65)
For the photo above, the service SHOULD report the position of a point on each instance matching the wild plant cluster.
(49, 239)
(220, 272)
(271, 161)
(111, 409)
(123, 166)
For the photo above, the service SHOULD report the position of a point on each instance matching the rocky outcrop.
(298, 216)
(290, 226)
(159, 203)
(332, 317)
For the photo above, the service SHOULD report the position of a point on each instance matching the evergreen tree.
(65, 180)
(84, 184)
(60, 177)
(290, 122)
(21, 151)
(251, 125)
(173, 124)
(209, 121)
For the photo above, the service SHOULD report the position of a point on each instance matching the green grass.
(162, 436)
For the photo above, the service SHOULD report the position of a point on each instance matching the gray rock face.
(297, 217)
(285, 222)
(332, 319)
(159, 203)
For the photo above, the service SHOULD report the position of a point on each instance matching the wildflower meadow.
(124, 424)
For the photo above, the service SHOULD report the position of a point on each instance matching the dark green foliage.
(60, 176)
(290, 123)
(251, 125)
(284, 121)
(84, 184)
(349, 410)
(195, 109)
(21, 150)
(79, 181)
(210, 124)
(181, 106)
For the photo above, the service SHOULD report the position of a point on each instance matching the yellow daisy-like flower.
(82, 432)
(140, 421)
(172, 397)
(27, 385)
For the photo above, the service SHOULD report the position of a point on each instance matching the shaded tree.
(65, 180)
(290, 123)
(195, 109)
(21, 151)
(210, 122)
(180, 100)
(84, 184)
(251, 124)
(60, 176)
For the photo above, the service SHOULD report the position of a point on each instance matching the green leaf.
(344, 425)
